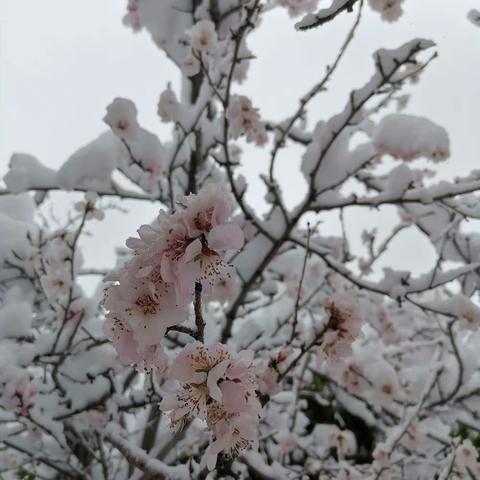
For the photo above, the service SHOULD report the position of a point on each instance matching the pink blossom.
(204, 36)
(130, 351)
(121, 117)
(18, 393)
(55, 283)
(350, 374)
(243, 118)
(344, 327)
(215, 373)
(219, 387)
(232, 434)
(390, 10)
(210, 208)
(151, 292)
(140, 308)
(414, 437)
(147, 308)
(196, 241)
(267, 381)
(88, 208)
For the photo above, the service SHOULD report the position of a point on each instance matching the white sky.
(63, 61)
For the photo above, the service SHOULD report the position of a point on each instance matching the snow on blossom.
(219, 387)
(409, 137)
(56, 251)
(350, 373)
(190, 66)
(121, 117)
(297, 7)
(464, 309)
(204, 37)
(150, 154)
(18, 393)
(383, 381)
(26, 172)
(390, 10)
(56, 283)
(168, 106)
(311, 20)
(400, 179)
(414, 437)
(92, 165)
(331, 437)
(162, 19)
(244, 119)
(466, 459)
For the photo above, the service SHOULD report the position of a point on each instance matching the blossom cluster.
(219, 387)
(333, 369)
(171, 258)
(203, 41)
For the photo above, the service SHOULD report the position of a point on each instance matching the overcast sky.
(63, 61)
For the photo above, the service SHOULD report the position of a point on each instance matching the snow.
(26, 172)
(326, 14)
(258, 464)
(91, 166)
(14, 237)
(409, 137)
(297, 7)
(164, 20)
(15, 314)
(399, 180)
(285, 276)
(18, 207)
